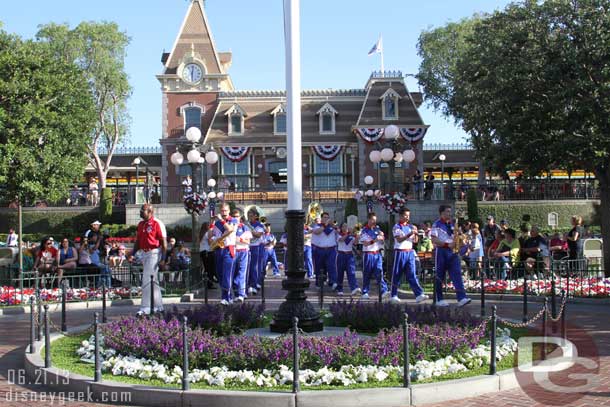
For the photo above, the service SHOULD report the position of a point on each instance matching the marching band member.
(405, 235)
(256, 250)
(345, 261)
(224, 229)
(269, 242)
(372, 239)
(307, 251)
(445, 259)
(324, 248)
(242, 256)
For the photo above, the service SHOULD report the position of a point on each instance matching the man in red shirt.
(151, 239)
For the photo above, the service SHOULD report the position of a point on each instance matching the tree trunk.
(604, 185)
(101, 176)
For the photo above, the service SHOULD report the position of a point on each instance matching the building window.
(192, 117)
(328, 174)
(389, 104)
(279, 119)
(236, 173)
(236, 127)
(235, 120)
(327, 115)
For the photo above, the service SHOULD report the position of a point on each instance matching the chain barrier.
(526, 323)
(559, 314)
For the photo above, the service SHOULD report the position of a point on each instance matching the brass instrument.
(357, 229)
(217, 244)
(263, 219)
(314, 211)
(458, 238)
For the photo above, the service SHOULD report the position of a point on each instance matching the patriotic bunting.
(235, 154)
(327, 153)
(370, 135)
(413, 134)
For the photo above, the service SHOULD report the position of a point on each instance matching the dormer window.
(389, 104)
(235, 120)
(279, 120)
(326, 116)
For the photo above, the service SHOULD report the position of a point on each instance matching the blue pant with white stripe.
(269, 256)
(373, 267)
(254, 269)
(226, 267)
(240, 270)
(325, 258)
(404, 263)
(308, 261)
(346, 264)
(445, 260)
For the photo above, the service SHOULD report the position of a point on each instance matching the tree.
(46, 114)
(99, 50)
(532, 88)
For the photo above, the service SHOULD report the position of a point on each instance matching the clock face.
(192, 73)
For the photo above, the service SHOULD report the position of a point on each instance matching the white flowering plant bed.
(141, 370)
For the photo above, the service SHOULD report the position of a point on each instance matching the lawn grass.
(63, 356)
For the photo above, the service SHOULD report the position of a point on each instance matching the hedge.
(55, 222)
(513, 211)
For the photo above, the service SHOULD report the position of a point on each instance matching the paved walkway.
(592, 319)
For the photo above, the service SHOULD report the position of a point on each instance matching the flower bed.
(220, 319)
(373, 317)
(12, 296)
(158, 339)
(581, 287)
(343, 375)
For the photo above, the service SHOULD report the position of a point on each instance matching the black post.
(97, 376)
(32, 325)
(321, 281)
(296, 385)
(524, 297)
(152, 295)
(553, 299)
(39, 306)
(494, 322)
(47, 338)
(405, 347)
(564, 300)
(482, 275)
(543, 348)
(64, 327)
(379, 294)
(263, 290)
(185, 355)
(205, 287)
(296, 304)
(104, 319)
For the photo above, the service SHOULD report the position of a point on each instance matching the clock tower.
(194, 73)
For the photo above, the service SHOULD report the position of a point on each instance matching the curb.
(80, 305)
(61, 380)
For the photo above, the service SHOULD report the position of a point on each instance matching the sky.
(336, 36)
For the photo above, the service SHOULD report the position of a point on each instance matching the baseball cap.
(97, 222)
(503, 222)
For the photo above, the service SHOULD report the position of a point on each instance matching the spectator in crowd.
(504, 224)
(170, 245)
(536, 248)
(429, 186)
(476, 249)
(67, 258)
(508, 252)
(46, 257)
(179, 260)
(525, 235)
(491, 251)
(489, 232)
(95, 231)
(417, 184)
(206, 255)
(93, 196)
(424, 242)
(117, 255)
(12, 240)
(75, 195)
(574, 238)
(187, 185)
(558, 247)
(94, 255)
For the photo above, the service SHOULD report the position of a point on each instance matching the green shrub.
(351, 208)
(473, 206)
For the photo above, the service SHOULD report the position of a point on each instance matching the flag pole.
(381, 43)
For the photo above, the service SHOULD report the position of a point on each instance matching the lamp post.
(442, 157)
(137, 161)
(194, 158)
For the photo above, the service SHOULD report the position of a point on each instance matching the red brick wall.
(175, 122)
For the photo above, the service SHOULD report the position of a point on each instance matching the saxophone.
(457, 238)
